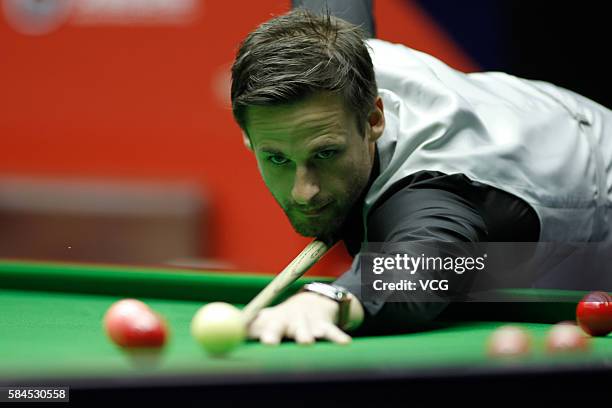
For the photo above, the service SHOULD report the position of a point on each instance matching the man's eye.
(277, 160)
(326, 154)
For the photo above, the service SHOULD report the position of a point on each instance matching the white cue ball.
(219, 327)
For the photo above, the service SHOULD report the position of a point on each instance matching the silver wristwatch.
(337, 293)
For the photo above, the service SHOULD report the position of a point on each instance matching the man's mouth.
(313, 212)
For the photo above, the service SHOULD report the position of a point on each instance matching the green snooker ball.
(218, 327)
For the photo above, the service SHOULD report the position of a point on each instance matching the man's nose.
(305, 185)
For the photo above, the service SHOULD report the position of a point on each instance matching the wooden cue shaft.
(298, 267)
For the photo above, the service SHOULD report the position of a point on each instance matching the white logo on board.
(39, 17)
(36, 17)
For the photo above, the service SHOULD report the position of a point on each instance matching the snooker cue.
(298, 267)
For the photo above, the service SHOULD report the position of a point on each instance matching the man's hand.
(303, 317)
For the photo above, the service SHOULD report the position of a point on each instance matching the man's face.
(313, 159)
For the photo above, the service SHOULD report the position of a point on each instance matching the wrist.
(356, 314)
(348, 311)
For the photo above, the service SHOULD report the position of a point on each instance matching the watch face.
(342, 296)
(341, 293)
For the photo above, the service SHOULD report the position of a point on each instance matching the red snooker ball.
(509, 341)
(566, 337)
(131, 323)
(594, 313)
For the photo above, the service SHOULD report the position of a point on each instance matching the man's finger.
(273, 333)
(257, 326)
(333, 333)
(318, 330)
(302, 333)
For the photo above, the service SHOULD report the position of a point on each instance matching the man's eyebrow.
(270, 150)
(328, 144)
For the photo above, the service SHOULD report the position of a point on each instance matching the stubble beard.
(332, 219)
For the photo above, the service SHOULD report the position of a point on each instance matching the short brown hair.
(297, 54)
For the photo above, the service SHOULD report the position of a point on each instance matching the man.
(371, 141)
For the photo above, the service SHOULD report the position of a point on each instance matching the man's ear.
(376, 120)
(247, 141)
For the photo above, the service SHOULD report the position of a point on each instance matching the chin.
(308, 232)
(314, 232)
